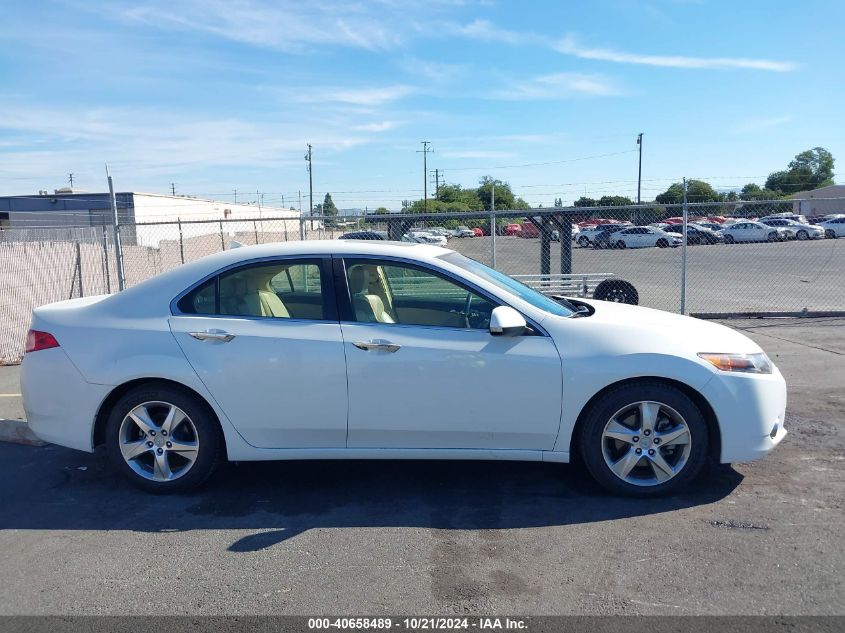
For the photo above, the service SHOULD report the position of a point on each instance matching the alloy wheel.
(158, 441)
(646, 443)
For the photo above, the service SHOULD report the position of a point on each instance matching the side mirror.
(505, 321)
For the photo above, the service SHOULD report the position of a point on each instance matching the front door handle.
(213, 335)
(383, 346)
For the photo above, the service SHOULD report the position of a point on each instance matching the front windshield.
(509, 284)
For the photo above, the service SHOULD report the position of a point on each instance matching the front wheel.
(644, 439)
(773, 237)
(163, 439)
(617, 291)
(583, 242)
(661, 243)
(620, 244)
(729, 239)
(830, 234)
(802, 235)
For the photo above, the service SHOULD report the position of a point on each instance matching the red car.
(529, 229)
(512, 229)
(478, 232)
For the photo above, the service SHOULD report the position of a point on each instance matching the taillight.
(37, 340)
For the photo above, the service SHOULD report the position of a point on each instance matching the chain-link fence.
(749, 258)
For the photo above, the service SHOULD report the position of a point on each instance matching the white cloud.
(486, 31)
(570, 46)
(435, 72)
(559, 86)
(381, 126)
(371, 96)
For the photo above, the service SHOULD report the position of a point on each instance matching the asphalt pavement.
(443, 537)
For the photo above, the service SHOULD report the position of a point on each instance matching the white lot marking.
(10, 395)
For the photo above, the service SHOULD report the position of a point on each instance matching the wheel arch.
(101, 418)
(714, 435)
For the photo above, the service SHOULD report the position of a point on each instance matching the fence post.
(684, 254)
(222, 243)
(181, 243)
(493, 225)
(79, 268)
(255, 230)
(301, 227)
(106, 274)
(118, 250)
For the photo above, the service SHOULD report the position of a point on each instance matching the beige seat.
(368, 307)
(248, 293)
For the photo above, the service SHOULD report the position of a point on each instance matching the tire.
(620, 244)
(661, 243)
(675, 413)
(830, 234)
(729, 239)
(617, 291)
(802, 235)
(199, 433)
(583, 242)
(772, 237)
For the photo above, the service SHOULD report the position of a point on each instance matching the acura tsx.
(336, 350)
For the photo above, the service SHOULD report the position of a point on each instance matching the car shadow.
(53, 488)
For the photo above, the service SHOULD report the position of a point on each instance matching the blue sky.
(218, 95)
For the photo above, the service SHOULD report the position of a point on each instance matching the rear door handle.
(383, 346)
(213, 335)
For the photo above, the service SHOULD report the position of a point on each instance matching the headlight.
(747, 363)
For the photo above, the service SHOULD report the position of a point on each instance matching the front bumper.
(750, 409)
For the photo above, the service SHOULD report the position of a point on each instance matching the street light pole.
(640, 170)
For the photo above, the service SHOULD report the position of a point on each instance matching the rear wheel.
(830, 234)
(620, 244)
(661, 243)
(729, 239)
(773, 237)
(802, 235)
(163, 439)
(583, 242)
(644, 440)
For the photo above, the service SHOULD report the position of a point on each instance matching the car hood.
(618, 328)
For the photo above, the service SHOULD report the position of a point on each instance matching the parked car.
(796, 230)
(529, 229)
(586, 235)
(753, 232)
(424, 237)
(512, 229)
(439, 230)
(478, 232)
(602, 238)
(713, 226)
(696, 233)
(795, 217)
(834, 227)
(364, 235)
(464, 231)
(643, 236)
(336, 349)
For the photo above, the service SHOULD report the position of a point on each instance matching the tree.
(614, 201)
(558, 202)
(328, 210)
(752, 191)
(505, 199)
(584, 201)
(455, 195)
(381, 211)
(810, 169)
(697, 191)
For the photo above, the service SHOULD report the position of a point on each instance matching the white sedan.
(753, 232)
(834, 227)
(643, 237)
(335, 350)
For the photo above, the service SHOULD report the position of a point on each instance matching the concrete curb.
(17, 432)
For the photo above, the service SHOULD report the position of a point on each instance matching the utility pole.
(70, 179)
(640, 170)
(235, 196)
(424, 151)
(437, 175)
(310, 186)
(173, 189)
(493, 223)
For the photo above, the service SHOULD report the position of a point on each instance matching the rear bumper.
(60, 405)
(750, 409)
